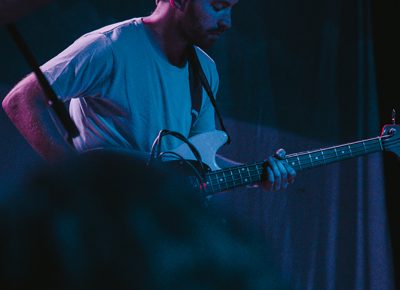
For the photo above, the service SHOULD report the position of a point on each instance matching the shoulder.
(100, 43)
(127, 30)
(208, 64)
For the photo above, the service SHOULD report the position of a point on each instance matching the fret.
(224, 179)
(358, 149)
(212, 186)
(365, 149)
(229, 178)
(311, 159)
(337, 156)
(323, 156)
(342, 151)
(212, 176)
(221, 178)
(255, 175)
(238, 173)
(248, 173)
(292, 161)
(231, 175)
(246, 180)
(260, 171)
(351, 153)
(235, 175)
(218, 186)
(316, 157)
(304, 160)
(330, 155)
(298, 160)
(380, 143)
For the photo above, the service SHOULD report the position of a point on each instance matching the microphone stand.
(52, 100)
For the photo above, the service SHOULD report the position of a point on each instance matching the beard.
(196, 34)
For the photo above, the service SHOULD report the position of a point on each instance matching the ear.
(179, 4)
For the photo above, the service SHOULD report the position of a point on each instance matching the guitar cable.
(156, 154)
(194, 169)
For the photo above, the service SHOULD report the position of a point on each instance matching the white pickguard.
(207, 144)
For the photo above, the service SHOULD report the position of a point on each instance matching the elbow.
(24, 95)
(11, 105)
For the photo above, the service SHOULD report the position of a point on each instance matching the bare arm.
(26, 106)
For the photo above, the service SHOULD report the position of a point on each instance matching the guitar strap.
(197, 81)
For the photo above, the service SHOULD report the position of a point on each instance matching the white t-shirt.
(122, 90)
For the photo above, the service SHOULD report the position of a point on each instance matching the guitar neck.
(224, 179)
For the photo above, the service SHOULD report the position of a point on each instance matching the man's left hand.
(278, 174)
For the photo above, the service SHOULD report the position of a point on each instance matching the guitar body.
(206, 143)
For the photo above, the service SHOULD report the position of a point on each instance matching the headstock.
(391, 136)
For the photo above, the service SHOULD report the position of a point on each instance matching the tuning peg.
(394, 117)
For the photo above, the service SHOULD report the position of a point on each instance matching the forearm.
(26, 106)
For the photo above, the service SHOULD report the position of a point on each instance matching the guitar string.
(257, 167)
(307, 155)
(306, 162)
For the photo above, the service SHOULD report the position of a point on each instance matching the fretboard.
(224, 179)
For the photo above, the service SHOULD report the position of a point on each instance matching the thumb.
(280, 153)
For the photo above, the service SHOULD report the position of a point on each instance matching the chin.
(205, 44)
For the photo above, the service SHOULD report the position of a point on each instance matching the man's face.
(203, 21)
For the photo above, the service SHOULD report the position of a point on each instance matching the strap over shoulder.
(198, 80)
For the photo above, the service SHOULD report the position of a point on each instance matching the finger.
(272, 163)
(280, 153)
(268, 180)
(291, 172)
(284, 174)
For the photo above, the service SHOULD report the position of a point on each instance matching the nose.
(226, 21)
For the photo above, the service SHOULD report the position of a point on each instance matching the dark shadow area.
(108, 221)
(302, 67)
(386, 31)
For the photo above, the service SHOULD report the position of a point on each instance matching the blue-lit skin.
(203, 21)
(178, 24)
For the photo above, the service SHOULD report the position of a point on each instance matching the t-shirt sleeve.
(83, 69)
(206, 120)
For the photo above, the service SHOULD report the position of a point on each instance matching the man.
(127, 81)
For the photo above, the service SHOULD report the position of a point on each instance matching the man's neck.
(167, 35)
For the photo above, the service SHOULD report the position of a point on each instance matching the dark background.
(298, 74)
(386, 24)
